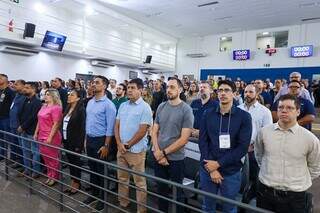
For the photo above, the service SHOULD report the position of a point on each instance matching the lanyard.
(228, 123)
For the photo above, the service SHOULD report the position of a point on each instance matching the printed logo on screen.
(240, 55)
(302, 51)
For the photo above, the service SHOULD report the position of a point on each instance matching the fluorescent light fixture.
(89, 10)
(223, 38)
(265, 33)
(40, 8)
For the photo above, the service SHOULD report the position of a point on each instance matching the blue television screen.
(302, 51)
(53, 41)
(240, 55)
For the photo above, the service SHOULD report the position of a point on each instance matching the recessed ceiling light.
(265, 33)
(223, 38)
(40, 8)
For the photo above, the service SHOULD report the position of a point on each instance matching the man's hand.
(163, 162)
(121, 148)
(103, 151)
(49, 140)
(158, 154)
(211, 165)
(19, 130)
(251, 148)
(216, 177)
(195, 133)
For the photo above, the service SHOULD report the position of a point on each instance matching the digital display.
(240, 55)
(53, 41)
(302, 51)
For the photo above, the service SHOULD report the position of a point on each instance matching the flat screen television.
(53, 41)
(240, 55)
(301, 51)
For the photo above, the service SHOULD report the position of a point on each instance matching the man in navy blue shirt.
(225, 135)
(200, 105)
(267, 100)
(307, 110)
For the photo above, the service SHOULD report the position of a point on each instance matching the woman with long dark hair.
(73, 136)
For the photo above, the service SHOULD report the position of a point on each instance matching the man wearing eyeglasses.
(307, 111)
(304, 93)
(225, 134)
(289, 159)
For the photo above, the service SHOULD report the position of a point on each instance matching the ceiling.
(183, 18)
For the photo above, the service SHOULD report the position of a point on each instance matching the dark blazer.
(76, 129)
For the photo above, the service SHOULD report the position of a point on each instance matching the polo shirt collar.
(103, 98)
(293, 129)
(137, 102)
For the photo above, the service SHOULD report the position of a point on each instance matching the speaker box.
(29, 30)
(148, 59)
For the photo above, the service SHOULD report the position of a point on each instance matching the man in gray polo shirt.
(171, 130)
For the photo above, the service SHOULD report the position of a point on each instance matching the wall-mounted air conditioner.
(196, 55)
(100, 63)
(16, 50)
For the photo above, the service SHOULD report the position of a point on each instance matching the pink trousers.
(51, 158)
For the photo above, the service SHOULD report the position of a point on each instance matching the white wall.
(298, 35)
(45, 66)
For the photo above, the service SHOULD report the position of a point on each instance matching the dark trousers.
(16, 147)
(4, 126)
(74, 160)
(93, 146)
(279, 201)
(174, 172)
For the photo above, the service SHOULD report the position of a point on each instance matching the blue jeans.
(31, 155)
(16, 147)
(229, 188)
(174, 172)
(4, 126)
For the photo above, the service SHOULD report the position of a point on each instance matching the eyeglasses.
(287, 108)
(226, 90)
(294, 87)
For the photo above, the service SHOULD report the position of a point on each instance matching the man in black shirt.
(6, 98)
(57, 84)
(28, 122)
(158, 96)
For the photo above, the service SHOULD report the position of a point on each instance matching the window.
(273, 39)
(225, 44)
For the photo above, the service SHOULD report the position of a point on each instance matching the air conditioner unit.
(100, 63)
(16, 50)
(196, 55)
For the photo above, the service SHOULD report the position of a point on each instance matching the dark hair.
(46, 83)
(72, 83)
(113, 80)
(59, 79)
(79, 104)
(33, 84)
(138, 82)
(21, 81)
(105, 81)
(4, 75)
(124, 87)
(229, 83)
(178, 81)
(295, 81)
(292, 98)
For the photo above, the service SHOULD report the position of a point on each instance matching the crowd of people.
(110, 120)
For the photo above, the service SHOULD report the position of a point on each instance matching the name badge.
(224, 141)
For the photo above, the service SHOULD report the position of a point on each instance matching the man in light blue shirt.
(132, 123)
(101, 115)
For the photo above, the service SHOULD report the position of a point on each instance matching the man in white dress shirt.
(289, 159)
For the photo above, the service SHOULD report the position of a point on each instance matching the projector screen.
(53, 41)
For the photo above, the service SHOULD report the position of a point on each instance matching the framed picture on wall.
(133, 74)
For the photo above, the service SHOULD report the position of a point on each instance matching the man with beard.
(171, 131)
(225, 134)
(261, 116)
(200, 105)
(120, 95)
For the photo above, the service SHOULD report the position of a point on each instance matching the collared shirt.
(240, 129)
(131, 115)
(198, 109)
(15, 110)
(261, 116)
(118, 101)
(306, 108)
(6, 98)
(101, 116)
(285, 90)
(288, 159)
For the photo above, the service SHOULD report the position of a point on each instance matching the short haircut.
(295, 73)
(4, 75)
(59, 79)
(229, 83)
(33, 85)
(295, 81)
(138, 82)
(124, 87)
(21, 81)
(292, 98)
(180, 85)
(115, 81)
(105, 81)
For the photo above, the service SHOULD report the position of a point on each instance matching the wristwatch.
(106, 145)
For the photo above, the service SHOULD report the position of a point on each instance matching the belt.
(98, 137)
(277, 192)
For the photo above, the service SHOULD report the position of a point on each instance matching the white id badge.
(224, 141)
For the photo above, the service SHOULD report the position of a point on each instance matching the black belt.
(278, 193)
